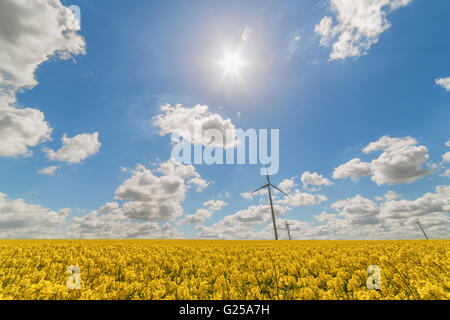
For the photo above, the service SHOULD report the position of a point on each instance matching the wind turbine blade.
(261, 188)
(279, 190)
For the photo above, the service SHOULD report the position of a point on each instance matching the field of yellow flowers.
(213, 269)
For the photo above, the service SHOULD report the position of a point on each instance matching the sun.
(232, 63)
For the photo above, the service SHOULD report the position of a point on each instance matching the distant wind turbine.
(287, 228)
(268, 185)
(418, 222)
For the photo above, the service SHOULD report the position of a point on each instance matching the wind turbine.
(268, 185)
(418, 222)
(287, 228)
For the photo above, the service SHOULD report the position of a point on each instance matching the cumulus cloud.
(361, 218)
(355, 169)
(76, 149)
(295, 197)
(298, 199)
(247, 195)
(109, 207)
(357, 210)
(220, 230)
(358, 26)
(390, 195)
(444, 83)
(287, 184)
(325, 216)
(30, 34)
(254, 214)
(21, 129)
(401, 161)
(151, 197)
(204, 213)
(260, 192)
(172, 168)
(240, 225)
(19, 219)
(314, 179)
(429, 203)
(183, 122)
(446, 157)
(49, 171)
(357, 217)
(109, 222)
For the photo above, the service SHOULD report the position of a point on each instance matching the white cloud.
(446, 157)
(220, 230)
(448, 143)
(390, 195)
(224, 194)
(151, 197)
(108, 207)
(315, 180)
(355, 218)
(240, 225)
(247, 195)
(287, 185)
(354, 169)
(182, 121)
(324, 216)
(50, 171)
(299, 199)
(21, 129)
(254, 214)
(446, 173)
(444, 83)
(401, 161)
(361, 218)
(110, 223)
(215, 204)
(325, 29)
(357, 210)
(429, 203)
(75, 149)
(204, 213)
(19, 219)
(359, 25)
(172, 168)
(296, 198)
(30, 34)
(293, 45)
(260, 192)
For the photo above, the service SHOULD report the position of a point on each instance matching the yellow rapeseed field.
(209, 269)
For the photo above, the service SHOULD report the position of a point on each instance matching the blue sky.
(328, 101)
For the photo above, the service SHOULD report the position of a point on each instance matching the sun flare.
(232, 63)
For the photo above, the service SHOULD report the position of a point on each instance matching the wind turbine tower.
(268, 185)
(418, 222)
(287, 228)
